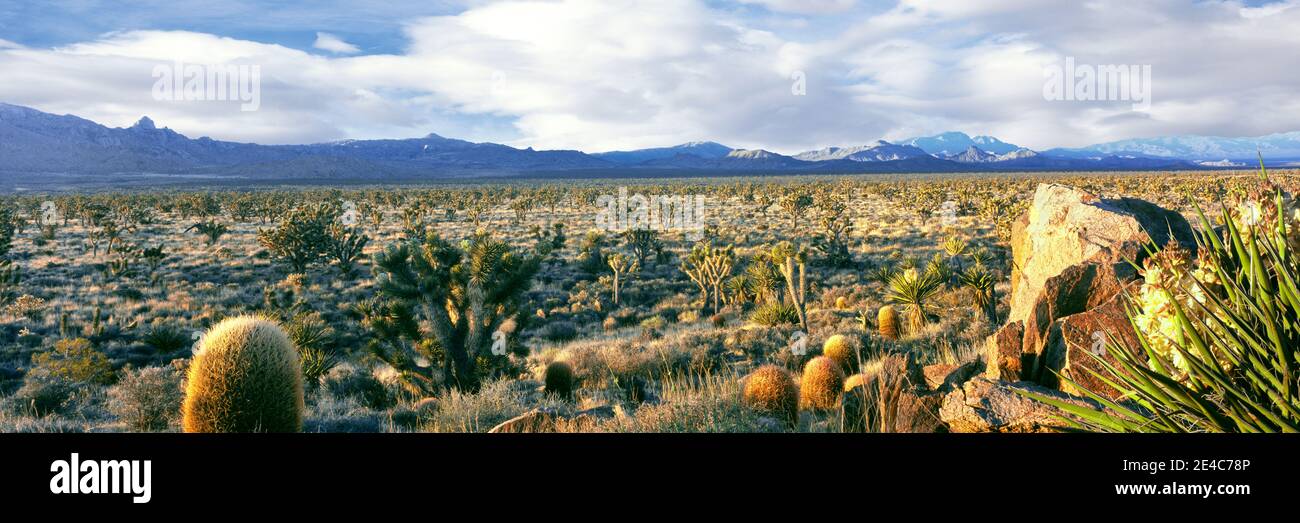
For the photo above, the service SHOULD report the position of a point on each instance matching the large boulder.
(983, 405)
(1077, 289)
(1065, 227)
(1074, 344)
(1003, 353)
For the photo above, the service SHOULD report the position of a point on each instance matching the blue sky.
(614, 74)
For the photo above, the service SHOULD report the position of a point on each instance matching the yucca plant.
(1220, 342)
(914, 291)
(982, 284)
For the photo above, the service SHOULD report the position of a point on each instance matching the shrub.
(76, 361)
(246, 377)
(360, 386)
(165, 340)
(821, 384)
(559, 379)
(148, 399)
(42, 394)
(558, 331)
(773, 314)
(770, 389)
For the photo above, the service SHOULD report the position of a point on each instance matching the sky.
(597, 75)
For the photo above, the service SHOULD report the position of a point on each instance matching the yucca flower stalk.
(914, 291)
(1221, 341)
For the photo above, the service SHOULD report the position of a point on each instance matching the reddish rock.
(1077, 289)
(1004, 359)
(981, 405)
(947, 377)
(1073, 341)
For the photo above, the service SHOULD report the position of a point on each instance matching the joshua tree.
(622, 266)
(345, 244)
(301, 238)
(212, 230)
(445, 302)
(794, 204)
(833, 241)
(787, 257)
(641, 241)
(708, 267)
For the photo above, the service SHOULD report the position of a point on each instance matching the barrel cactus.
(840, 349)
(771, 389)
(821, 385)
(887, 321)
(559, 379)
(246, 377)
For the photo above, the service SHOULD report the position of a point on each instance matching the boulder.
(944, 377)
(983, 405)
(1003, 355)
(1076, 289)
(1065, 227)
(1073, 340)
(533, 421)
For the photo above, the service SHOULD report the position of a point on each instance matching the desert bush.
(165, 340)
(558, 331)
(43, 394)
(147, 399)
(770, 389)
(246, 377)
(361, 386)
(76, 361)
(302, 238)
(773, 314)
(821, 384)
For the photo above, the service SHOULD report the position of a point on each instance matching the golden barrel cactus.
(246, 377)
(887, 321)
(821, 385)
(841, 303)
(771, 389)
(840, 349)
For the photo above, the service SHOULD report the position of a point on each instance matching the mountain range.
(34, 142)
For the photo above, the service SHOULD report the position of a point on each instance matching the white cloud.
(334, 44)
(805, 6)
(611, 74)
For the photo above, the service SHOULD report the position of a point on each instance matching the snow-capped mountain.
(1211, 148)
(33, 142)
(707, 150)
(955, 143)
(881, 151)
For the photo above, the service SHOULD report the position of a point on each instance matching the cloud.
(616, 74)
(334, 44)
(805, 6)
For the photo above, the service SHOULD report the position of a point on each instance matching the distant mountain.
(954, 143)
(973, 154)
(1212, 148)
(706, 150)
(33, 142)
(881, 151)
